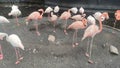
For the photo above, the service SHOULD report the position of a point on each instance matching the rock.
(51, 38)
(114, 50)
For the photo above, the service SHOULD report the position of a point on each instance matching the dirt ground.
(40, 53)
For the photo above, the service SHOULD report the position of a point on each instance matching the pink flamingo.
(77, 25)
(117, 17)
(53, 19)
(65, 16)
(36, 15)
(91, 31)
(79, 17)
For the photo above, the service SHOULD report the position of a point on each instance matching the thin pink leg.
(73, 40)
(17, 56)
(86, 54)
(36, 26)
(91, 44)
(54, 27)
(17, 21)
(115, 23)
(20, 57)
(65, 28)
(1, 53)
(76, 43)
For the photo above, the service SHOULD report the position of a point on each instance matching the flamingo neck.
(100, 24)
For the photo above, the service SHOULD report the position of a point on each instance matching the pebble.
(51, 38)
(114, 50)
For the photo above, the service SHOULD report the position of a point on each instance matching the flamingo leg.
(48, 16)
(91, 44)
(76, 43)
(17, 21)
(1, 53)
(54, 23)
(86, 54)
(115, 23)
(36, 27)
(17, 56)
(65, 28)
(73, 39)
(20, 57)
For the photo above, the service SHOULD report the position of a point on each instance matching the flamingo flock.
(80, 21)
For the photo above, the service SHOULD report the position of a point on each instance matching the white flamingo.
(15, 12)
(15, 41)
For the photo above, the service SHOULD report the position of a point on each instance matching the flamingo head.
(106, 15)
(117, 15)
(84, 20)
(2, 35)
(40, 11)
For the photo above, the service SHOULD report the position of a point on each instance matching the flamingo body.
(56, 9)
(74, 10)
(15, 41)
(15, 11)
(34, 16)
(81, 10)
(48, 10)
(91, 19)
(4, 20)
(76, 25)
(65, 15)
(77, 17)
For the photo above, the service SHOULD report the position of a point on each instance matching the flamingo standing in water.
(15, 41)
(77, 25)
(117, 17)
(36, 15)
(91, 31)
(15, 12)
(65, 16)
(53, 19)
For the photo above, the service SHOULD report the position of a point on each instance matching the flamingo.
(74, 10)
(81, 10)
(15, 41)
(36, 15)
(56, 9)
(65, 16)
(15, 12)
(53, 19)
(91, 31)
(77, 25)
(91, 19)
(3, 20)
(1, 38)
(97, 16)
(77, 17)
(48, 10)
(117, 17)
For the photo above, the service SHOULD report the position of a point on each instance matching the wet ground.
(40, 53)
